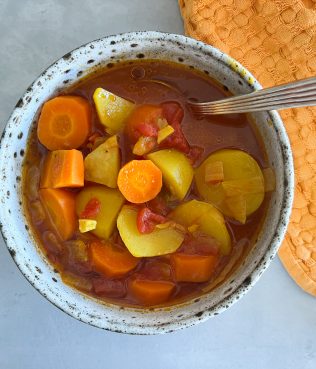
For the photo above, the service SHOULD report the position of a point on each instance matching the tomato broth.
(161, 279)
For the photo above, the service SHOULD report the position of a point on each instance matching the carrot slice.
(193, 268)
(140, 181)
(64, 123)
(111, 260)
(150, 292)
(63, 168)
(60, 207)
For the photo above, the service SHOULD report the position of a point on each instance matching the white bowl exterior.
(64, 72)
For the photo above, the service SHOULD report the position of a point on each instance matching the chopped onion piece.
(77, 251)
(76, 281)
(214, 172)
(269, 179)
(162, 123)
(37, 212)
(144, 145)
(86, 225)
(164, 132)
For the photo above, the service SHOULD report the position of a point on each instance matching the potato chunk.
(177, 172)
(159, 242)
(110, 200)
(103, 164)
(209, 220)
(242, 176)
(112, 110)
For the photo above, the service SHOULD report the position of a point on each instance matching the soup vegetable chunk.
(133, 199)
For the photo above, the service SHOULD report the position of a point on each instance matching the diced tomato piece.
(147, 220)
(174, 113)
(176, 140)
(91, 210)
(148, 130)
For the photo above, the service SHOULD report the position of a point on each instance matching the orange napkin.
(276, 41)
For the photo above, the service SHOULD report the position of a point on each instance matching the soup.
(134, 200)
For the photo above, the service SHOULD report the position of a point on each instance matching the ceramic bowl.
(67, 70)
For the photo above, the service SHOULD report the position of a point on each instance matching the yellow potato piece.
(237, 165)
(177, 172)
(112, 110)
(159, 242)
(209, 220)
(111, 202)
(102, 165)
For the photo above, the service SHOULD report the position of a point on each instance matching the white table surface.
(273, 326)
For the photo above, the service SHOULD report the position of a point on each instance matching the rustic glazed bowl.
(66, 71)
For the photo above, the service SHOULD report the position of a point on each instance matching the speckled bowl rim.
(277, 237)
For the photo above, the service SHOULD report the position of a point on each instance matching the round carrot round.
(139, 181)
(64, 123)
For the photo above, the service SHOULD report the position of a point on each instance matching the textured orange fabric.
(276, 41)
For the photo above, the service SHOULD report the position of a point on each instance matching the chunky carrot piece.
(63, 168)
(150, 292)
(64, 123)
(60, 207)
(193, 268)
(111, 260)
(139, 181)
